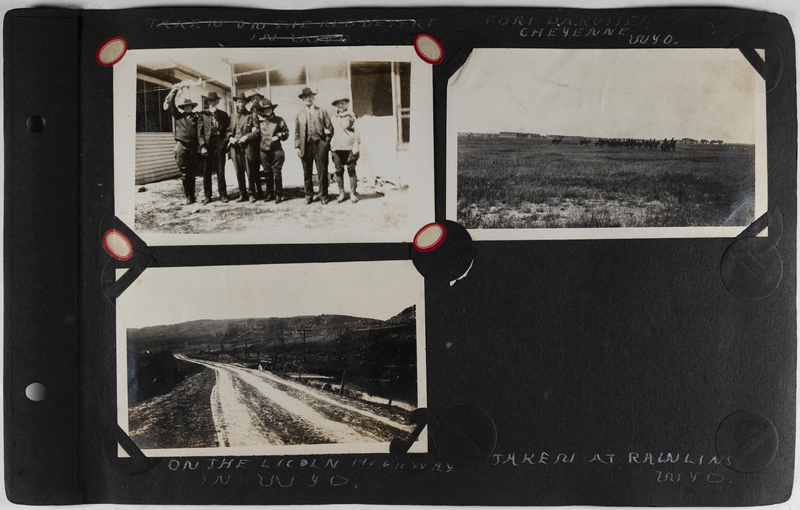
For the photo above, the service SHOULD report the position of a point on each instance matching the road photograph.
(272, 375)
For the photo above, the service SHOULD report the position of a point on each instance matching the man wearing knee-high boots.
(345, 147)
(186, 130)
(273, 130)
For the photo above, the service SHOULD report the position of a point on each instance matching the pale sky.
(377, 290)
(638, 93)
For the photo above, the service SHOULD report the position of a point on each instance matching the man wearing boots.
(273, 130)
(186, 140)
(344, 147)
(239, 134)
(312, 136)
(211, 132)
(251, 151)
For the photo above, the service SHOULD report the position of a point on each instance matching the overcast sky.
(378, 290)
(639, 93)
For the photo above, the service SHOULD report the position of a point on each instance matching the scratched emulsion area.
(305, 31)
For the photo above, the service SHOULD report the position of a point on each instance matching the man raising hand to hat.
(312, 135)
(186, 139)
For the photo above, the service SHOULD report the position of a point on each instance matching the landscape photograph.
(291, 381)
(606, 139)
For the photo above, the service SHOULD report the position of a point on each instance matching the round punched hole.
(111, 51)
(428, 48)
(36, 392)
(117, 245)
(429, 237)
(35, 123)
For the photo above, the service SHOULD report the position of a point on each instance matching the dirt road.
(253, 407)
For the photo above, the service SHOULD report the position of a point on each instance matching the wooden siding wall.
(155, 159)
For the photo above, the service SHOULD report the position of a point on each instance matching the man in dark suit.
(239, 134)
(211, 134)
(252, 150)
(186, 131)
(312, 136)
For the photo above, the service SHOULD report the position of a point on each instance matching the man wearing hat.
(252, 152)
(312, 135)
(273, 130)
(212, 127)
(239, 134)
(344, 147)
(186, 140)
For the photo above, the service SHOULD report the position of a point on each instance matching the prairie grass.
(527, 183)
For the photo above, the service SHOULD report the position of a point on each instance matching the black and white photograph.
(603, 143)
(291, 359)
(282, 145)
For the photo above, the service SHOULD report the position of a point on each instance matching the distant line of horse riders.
(627, 143)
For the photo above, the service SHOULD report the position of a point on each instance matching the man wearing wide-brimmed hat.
(251, 151)
(273, 130)
(239, 134)
(312, 136)
(345, 147)
(212, 132)
(186, 140)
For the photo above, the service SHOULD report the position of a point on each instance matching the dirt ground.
(181, 418)
(160, 208)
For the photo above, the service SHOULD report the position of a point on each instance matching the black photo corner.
(479, 255)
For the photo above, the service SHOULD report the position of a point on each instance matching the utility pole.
(303, 330)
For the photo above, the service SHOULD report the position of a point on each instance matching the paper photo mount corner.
(125, 250)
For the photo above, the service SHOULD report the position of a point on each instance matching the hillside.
(322, 332)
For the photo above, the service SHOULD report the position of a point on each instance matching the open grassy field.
(531, 183)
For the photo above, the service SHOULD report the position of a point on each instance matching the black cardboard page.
(612, 372)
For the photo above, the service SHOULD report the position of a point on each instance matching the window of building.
(371, 87)
(403, 84)
(150, 114)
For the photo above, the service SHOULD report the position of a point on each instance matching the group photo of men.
(287, 142)
(252, 139)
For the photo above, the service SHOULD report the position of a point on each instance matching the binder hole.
(35, 123)
(36, 392)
